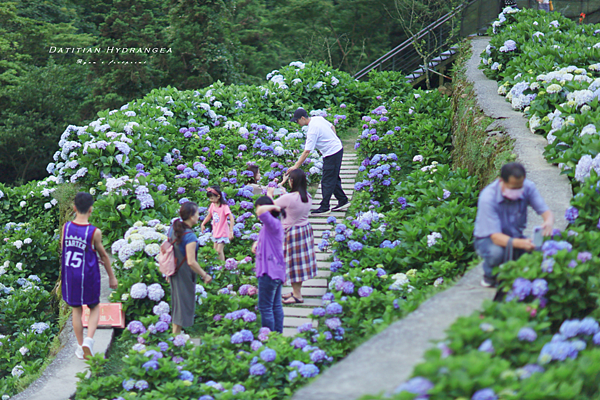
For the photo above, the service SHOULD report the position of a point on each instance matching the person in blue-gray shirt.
(502, 217)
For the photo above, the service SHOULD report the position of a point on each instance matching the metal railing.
(405, 57)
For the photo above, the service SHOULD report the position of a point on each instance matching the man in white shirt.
(321, 135)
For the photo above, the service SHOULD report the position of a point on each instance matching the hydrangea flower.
(333, 323)
(155, 292)
(417, 385)
(268, 355)
(527, 334)
(484, 394)
(309, 370)
(138, 290)
(365, 291)
(136, 328)
(258, 369)
(486, 346)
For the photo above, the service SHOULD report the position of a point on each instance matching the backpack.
(167, 260)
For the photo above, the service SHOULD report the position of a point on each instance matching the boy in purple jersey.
(81, 244)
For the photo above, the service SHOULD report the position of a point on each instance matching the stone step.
(296, 311)
(294, 322)
(314, 282)
(323, 273)
(290, 332)
(323, 256)
(307, 292)
(309, 302)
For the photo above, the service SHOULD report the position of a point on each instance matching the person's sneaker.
(79, 352)
(342, 206)
(88, 347)
(489, 282)
(320, 211)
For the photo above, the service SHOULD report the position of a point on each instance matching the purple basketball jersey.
(80, 270)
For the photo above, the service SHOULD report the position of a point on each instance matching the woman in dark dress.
(183, 283)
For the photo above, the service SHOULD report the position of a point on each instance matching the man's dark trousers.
(331, 183)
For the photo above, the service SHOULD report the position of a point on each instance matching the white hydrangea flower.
(28, 241)
(19, 266)
(18, 244)
(23, 350)
(589, 129)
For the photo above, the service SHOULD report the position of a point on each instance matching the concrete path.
(314, 289)
(529, 148)
(58, 381)
(388, 359)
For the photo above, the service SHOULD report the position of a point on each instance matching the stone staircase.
(314, 289)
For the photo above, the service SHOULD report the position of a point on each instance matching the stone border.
(59, 380)
(388, 359)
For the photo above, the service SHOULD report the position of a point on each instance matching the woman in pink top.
(219, 212)
(299, 247)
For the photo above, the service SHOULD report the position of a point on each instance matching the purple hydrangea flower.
(570, 328)
(521, 288)
(186, 376)
(365, 291)
(163, 346)
(128, 384)
(328, 297)
(299, 343)
(348, 287)
(571, 214)
(152, 364)
(258, 369)
(318, 356)
(333, 323)
(305, 327)
(584, 256)
(179, 340)
(141, 385)
(539, 287)
(255, 345)
(136, 328)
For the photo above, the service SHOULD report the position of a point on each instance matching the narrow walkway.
(59, 380)
(388, 359)
(313, 289)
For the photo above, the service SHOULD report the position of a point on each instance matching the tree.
(414, 16)
(42, 102)
(204, 50)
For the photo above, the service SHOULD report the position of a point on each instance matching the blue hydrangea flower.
(527, 334)
(570, 328)
(141, 385)
(292, 375)
(128, 384)
(296, 364)
(588, 326)
(484, 394)
(319, 312)
(571, 214)
(309, 370)
(268, 355)
(186, 376)
(486, 346)
(417, 385)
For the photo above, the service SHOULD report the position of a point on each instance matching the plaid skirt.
(299, 252)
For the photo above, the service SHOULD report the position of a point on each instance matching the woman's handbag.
(551, 6)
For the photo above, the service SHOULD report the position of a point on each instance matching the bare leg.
(77, 324)
(176, 329)
(220, 247)
(296, 291)
(93, 321)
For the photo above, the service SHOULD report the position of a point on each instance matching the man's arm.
(97, 240)
(548, 222)
(500, 239)
(300, 161)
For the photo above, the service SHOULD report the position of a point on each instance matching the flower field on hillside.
(541, 340)
(409, 225)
